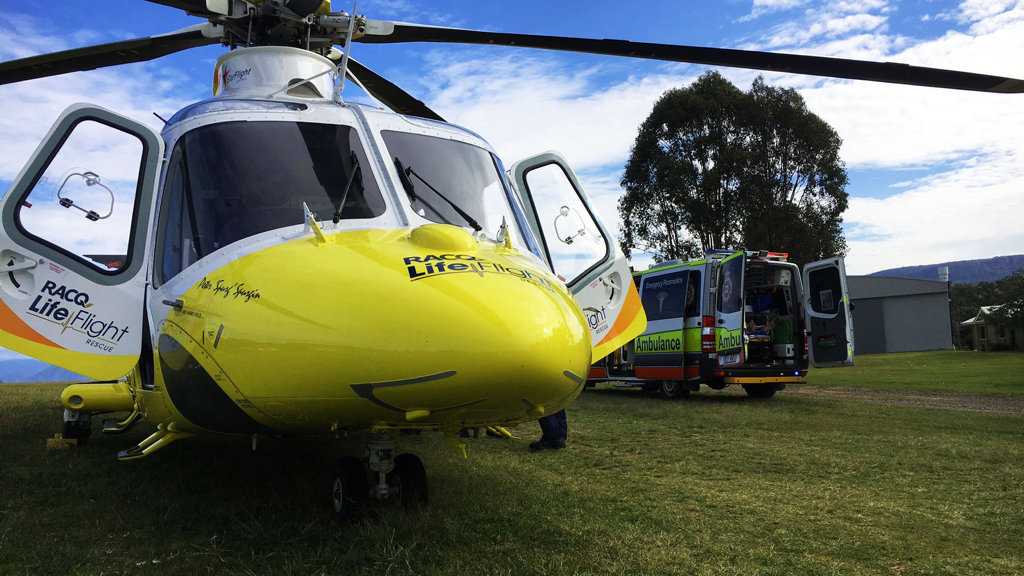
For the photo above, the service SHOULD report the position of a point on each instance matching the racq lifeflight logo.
(234, 76)
(434, 265)
(69, 308)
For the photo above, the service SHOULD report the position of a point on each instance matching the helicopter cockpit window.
(240, 179)
(452, 182)
(84, 202)
(176, 236)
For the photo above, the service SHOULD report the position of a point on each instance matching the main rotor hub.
(264, 71)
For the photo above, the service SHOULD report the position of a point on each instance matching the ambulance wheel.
(411, 479)
(349, 489)
(671, 389)
(759, 390)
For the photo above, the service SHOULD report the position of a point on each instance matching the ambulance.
(742, 317)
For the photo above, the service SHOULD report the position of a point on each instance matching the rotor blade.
(197, 7)
(389, 93)
(388, 32)
(102, 55)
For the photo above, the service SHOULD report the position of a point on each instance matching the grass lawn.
(965, 372)
(713, 484)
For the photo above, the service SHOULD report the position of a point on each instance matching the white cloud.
(762, 7)
(525, 104)
(974, 10)
(827, 20)
(406, 10)
(974, 211)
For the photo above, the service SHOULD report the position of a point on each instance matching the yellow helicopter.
(278, 261)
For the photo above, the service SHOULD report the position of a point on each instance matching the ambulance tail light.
(806, 344)
(707, 335)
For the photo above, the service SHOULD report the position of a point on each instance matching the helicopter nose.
(374, 327)
(502, 337)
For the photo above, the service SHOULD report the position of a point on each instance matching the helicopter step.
(164, 436)
(381, 476)
(111, 426)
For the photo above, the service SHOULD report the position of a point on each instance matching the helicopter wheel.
(77, 426)
(349, 490)
(410, 479)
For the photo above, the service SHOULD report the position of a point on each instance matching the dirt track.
(972, 402)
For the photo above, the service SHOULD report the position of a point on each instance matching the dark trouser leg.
(563, 425)
(549, 428)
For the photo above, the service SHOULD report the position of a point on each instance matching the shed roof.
(979, 318)
(862, 287)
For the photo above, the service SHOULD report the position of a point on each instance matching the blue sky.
(934, 175)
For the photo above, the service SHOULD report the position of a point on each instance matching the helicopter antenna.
(348, 45)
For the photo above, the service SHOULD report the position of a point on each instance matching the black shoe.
(544, 444)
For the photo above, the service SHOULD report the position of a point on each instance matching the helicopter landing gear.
(77, 425)
(349, 491)
(381, 477)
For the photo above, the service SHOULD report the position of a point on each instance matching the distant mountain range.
(961, 271)
(29, 370)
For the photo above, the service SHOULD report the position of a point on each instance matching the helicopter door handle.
(176, 304)
(13, 266)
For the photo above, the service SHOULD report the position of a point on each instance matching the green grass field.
(713, 484)
(965, 372)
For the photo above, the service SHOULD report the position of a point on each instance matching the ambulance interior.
(772, 314)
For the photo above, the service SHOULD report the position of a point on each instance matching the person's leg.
(548, 428)
(549, 431)
(563, 428)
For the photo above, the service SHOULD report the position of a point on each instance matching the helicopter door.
(580, 251)
(73, 244)
(827, 305)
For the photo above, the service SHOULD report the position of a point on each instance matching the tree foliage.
(969, 298)
(716, 167)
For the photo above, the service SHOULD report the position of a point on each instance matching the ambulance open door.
(827, 306)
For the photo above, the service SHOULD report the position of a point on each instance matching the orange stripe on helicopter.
(630, 308)
(12, 324)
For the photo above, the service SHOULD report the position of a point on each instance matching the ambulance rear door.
(729, 309)
(827, 306)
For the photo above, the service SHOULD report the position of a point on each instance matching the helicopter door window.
(84, 202)
(574, 240)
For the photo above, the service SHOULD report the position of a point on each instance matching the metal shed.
(899, 314)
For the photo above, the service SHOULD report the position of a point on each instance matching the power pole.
(954, 326)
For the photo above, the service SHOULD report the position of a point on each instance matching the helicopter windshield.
(243, 178)
(452, 182)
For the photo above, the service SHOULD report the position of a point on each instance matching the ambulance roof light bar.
(769, 255)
